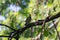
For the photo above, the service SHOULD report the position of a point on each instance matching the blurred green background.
(14, 13)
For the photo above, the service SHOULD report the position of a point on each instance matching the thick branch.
(40, 22)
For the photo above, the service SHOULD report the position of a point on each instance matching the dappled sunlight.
(29, 19)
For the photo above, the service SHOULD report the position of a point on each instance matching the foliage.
(37, 9)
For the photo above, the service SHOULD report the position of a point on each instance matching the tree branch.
(40, 22)
(3, 36)
(7, 26)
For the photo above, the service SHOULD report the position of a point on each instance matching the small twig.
(3, 36)
(55, 26)
(7, 26)
(43, 26)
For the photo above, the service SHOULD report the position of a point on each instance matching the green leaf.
(46, 33)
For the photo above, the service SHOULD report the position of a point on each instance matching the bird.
(54, 8)
(28, 20)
